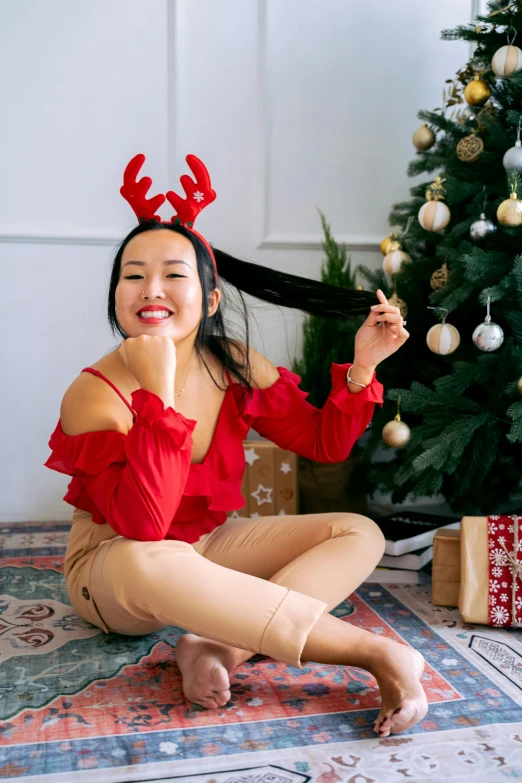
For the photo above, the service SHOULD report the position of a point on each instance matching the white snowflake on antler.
(199, 196)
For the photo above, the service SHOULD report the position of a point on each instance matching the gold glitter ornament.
(395, 301)
(396, 433)
(509, 212)
(385, 245)
(423, 138)
(519, 385)
(439, 278)
(477, 92)
(470, 148)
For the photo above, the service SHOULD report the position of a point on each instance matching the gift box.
(269, 482)
(445, 583)
(491, 570)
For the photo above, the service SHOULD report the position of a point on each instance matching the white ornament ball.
(443, 339)
(393, 262)
(506, 61)
(482, 228)
(434, 215)
(512, 160)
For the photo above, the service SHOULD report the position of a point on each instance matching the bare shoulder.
(264, 373)
(91, 405)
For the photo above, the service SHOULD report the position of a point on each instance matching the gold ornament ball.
(434, 215)
(509, 212)
(423, 138)
(506, 61)
(439, 278)
(385, 245)
(519, 385)
(394, 261)
(477, 92)
(396, 434)
(400, 303)
(443, 339)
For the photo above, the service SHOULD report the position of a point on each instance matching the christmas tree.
(327, 340)
(460, 395)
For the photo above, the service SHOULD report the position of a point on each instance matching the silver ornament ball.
(482, 227)
(488, 336)
(512, 160)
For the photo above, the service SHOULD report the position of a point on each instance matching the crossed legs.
(326, 556)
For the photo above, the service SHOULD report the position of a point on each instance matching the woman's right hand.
(152, 361)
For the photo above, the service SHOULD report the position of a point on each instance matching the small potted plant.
(337, 486)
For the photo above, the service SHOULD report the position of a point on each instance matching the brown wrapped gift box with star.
(269, 481)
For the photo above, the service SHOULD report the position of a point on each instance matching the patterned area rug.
(80, 705)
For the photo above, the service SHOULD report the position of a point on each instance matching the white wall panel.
(292, 106)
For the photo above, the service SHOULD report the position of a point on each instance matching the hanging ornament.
(434, 215)
(385, 244)
(423, 138)
(394, 260)
(470, 148)
(509, 212)
(482, 227)
(507, 59)
(488, 336)
(512, 160)
(395, 301)
(396, 433)
(442, 338)
(477, 92)
(439, 278)
(519, 385)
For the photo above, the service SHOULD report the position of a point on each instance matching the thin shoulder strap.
(99, 374)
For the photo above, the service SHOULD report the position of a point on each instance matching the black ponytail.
(299, 293)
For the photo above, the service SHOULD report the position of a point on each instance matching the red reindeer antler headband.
(199, 194)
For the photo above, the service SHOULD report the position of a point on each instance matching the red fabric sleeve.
(135, 480)
(282, 414)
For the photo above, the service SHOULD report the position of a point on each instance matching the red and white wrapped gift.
(491, 570)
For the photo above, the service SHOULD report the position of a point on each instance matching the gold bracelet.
(349, 380)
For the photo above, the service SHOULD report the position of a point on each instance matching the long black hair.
(299, 293)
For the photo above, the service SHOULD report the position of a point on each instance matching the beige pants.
(257, 584)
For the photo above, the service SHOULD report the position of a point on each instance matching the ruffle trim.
(344, 399)
(273, 401)
(92, 452)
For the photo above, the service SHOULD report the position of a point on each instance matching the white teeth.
(155, 314)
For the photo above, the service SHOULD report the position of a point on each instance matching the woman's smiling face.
(159, 270)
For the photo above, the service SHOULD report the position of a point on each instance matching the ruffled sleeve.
(134, 481)
(282, 414)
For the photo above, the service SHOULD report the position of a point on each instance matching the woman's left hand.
(380, 335)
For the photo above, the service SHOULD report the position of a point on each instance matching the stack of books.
(409, 551)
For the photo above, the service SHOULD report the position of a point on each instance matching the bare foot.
(203, 666)
(398, 669)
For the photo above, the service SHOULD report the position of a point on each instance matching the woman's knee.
(357, 524)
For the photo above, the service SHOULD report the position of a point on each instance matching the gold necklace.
(178, 394)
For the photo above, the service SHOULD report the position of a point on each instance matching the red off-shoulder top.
(144, 485)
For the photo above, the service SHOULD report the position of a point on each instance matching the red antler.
(135, 192)
(199, 193)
